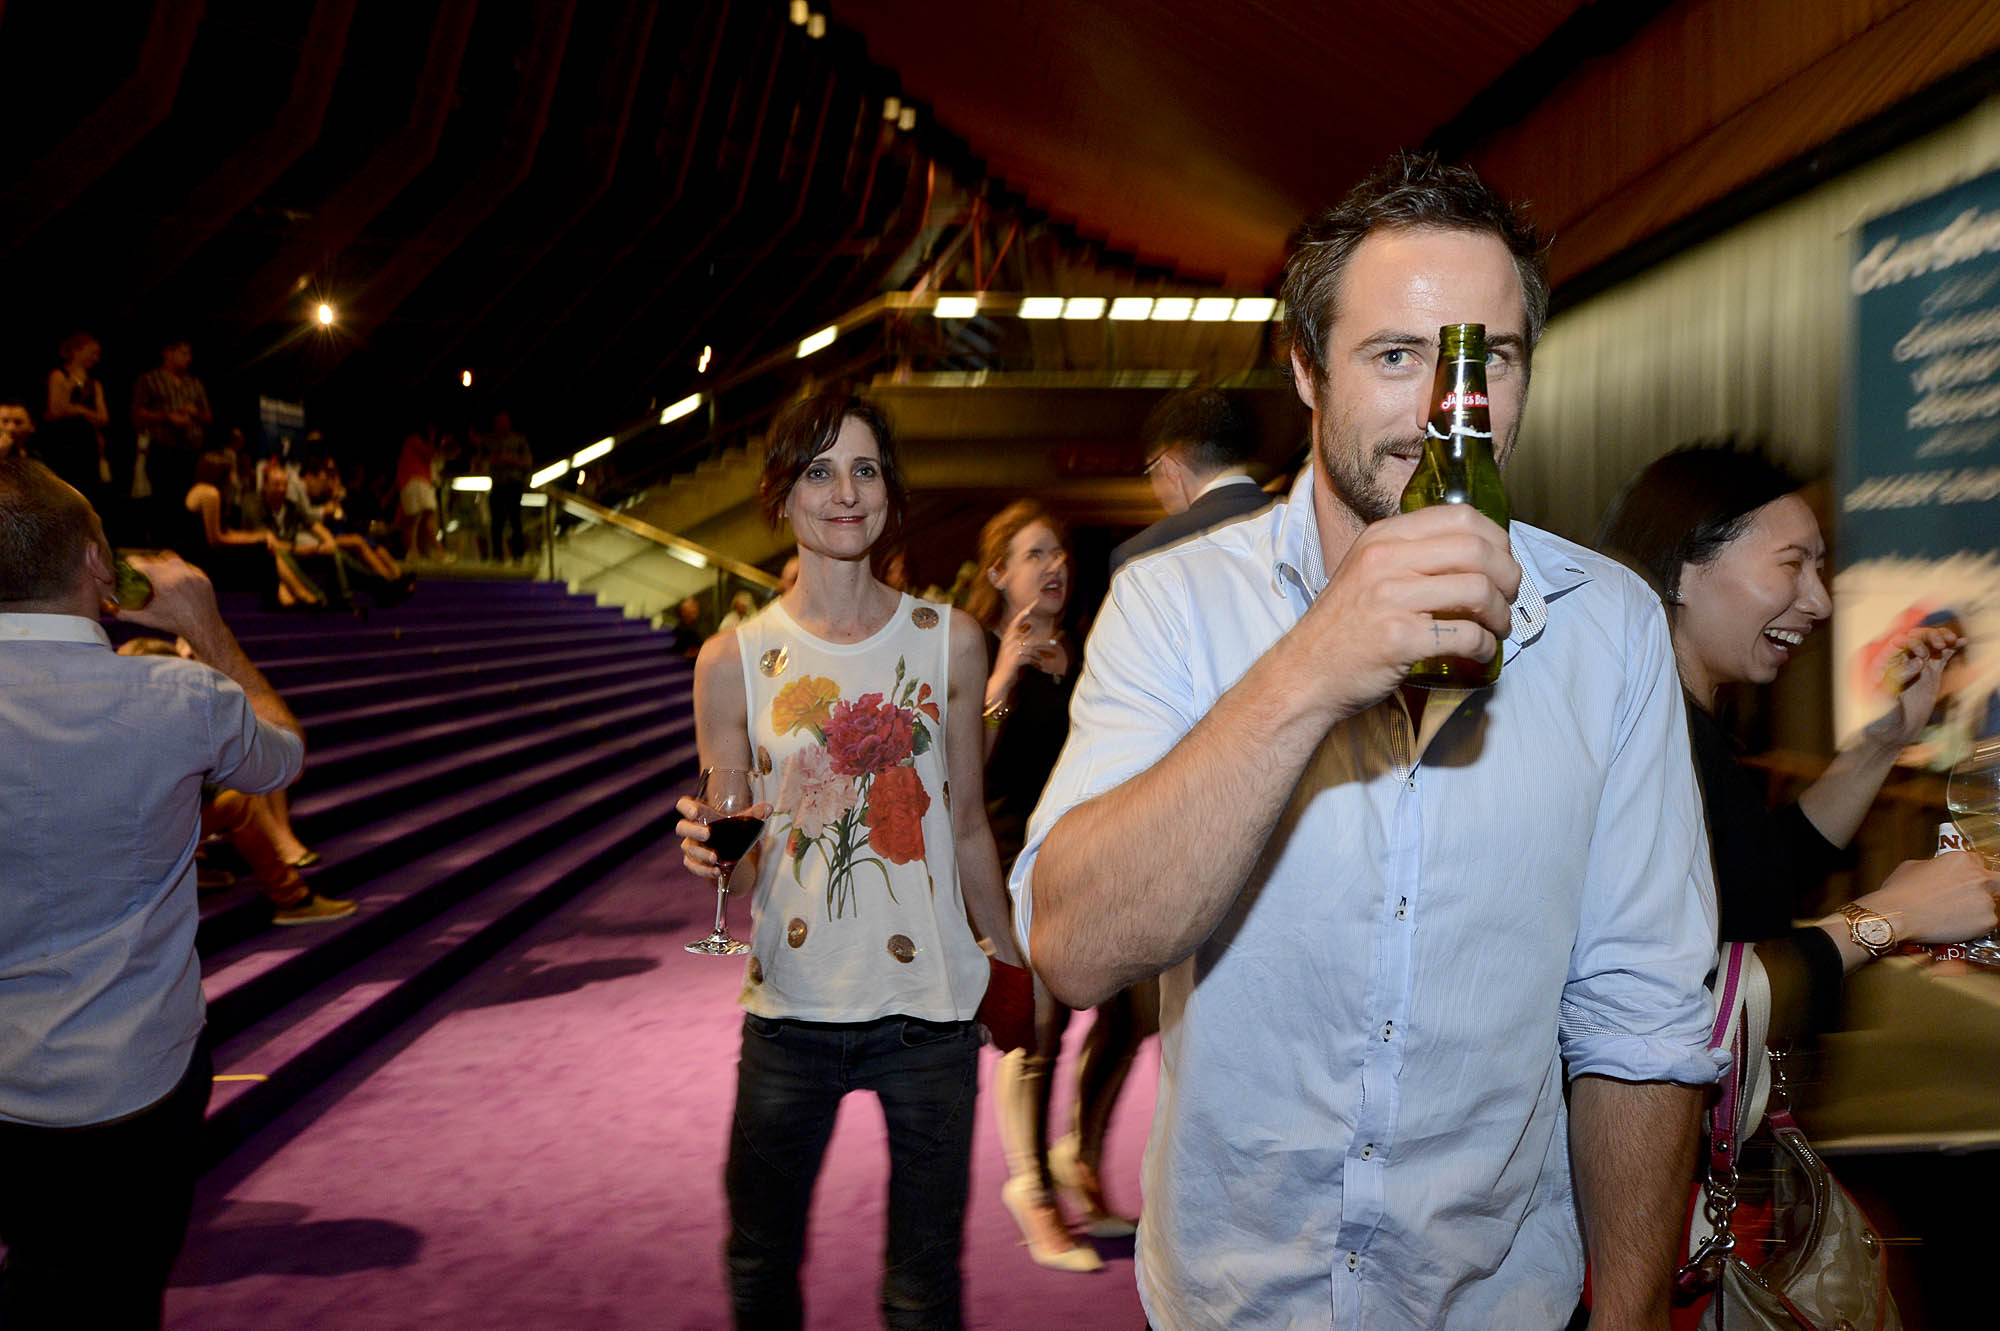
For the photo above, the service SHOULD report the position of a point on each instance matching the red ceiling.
(1195, 133)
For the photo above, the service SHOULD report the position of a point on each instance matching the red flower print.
(929, 709)
(868, 735)
(897, 802)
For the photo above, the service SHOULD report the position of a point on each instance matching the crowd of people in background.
(285, 517)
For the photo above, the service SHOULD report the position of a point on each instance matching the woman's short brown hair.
(984, 603)
(807, 429)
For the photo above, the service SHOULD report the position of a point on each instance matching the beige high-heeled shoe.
(1040, 1224)
(1086, 1189)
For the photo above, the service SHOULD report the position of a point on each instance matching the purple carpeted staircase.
(477, 755)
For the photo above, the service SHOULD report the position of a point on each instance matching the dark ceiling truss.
(570, 200)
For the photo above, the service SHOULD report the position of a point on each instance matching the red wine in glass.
(731, 837)
(723, 803)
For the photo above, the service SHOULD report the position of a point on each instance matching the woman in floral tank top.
(863, 705)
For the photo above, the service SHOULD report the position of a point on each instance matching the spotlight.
(707, 354)
(325, 314)
(465, 378)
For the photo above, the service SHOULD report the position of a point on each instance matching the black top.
(1768, 865)
(1031, 739)
(1225, 503)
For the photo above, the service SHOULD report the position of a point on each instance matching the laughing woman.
(1737, 556)
(863, 975)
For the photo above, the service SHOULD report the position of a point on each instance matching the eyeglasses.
(1155, 461)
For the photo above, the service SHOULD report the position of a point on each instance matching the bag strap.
(1718, 1190)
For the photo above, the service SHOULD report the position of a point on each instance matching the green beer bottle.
(1457, 467)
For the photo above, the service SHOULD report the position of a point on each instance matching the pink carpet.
(543, 1147)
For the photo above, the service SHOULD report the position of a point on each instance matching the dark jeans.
(93, 1217)
(503, 506)
(788, 1085)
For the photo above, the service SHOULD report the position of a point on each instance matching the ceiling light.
(801, 11)
(465, 377)
(472, 482)
(819, 341)
(1084, 307)
(1041, 307)
(1213, 309)
(707, 354)
(534, 501)
(325, 315)
(1254, 309)
(680, 408)
(687, 556)
(552, 472)
(956, 307)
(1172, 308)
(816, 26)
(1131, 307)
(589, 455)
(892, 107)
(907, 120)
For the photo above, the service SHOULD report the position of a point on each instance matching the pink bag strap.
(1729, 1091)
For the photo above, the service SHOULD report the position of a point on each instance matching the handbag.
(1831, 1271)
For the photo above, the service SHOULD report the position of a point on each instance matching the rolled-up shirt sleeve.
(251, 754)
(1133, 703)
(1635, 1006)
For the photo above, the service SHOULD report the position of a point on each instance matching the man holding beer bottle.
(1431, 959)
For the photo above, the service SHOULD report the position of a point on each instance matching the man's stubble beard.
(1354, 481)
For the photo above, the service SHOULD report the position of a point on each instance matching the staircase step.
(407, 785)
(262, 973)
(307, 668)
(341, 726)
(330, 765)
(286, 1054)
(360, 687)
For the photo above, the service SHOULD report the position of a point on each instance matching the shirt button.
(1368, 1151)
(1354, 1261)
(1388, 1030)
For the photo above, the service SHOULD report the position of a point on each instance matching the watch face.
(1874, 931)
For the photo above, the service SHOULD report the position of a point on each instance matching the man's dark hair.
(807, 429)
(44, 528)
(1683, 508)
(1208, 425)
(1411, 190)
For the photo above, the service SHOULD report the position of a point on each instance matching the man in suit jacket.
(1197, 444)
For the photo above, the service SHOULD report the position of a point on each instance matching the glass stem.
(721, 894)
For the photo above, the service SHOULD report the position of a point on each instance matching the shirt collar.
(19, 627)
(1226, 478)
(1300, 563)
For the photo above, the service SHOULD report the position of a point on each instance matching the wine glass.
(1972, 794)
(723, 804)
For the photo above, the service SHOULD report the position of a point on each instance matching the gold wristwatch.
(1871, 929)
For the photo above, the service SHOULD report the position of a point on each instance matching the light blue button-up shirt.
(101, 763)
(1360, 1119)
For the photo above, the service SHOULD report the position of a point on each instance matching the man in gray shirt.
(103, 1077)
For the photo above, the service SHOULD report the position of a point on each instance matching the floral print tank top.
(857, 912)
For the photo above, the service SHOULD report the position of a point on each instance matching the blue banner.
(1919, 479)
